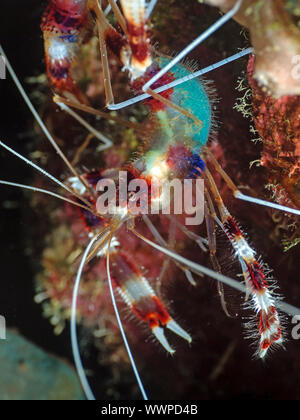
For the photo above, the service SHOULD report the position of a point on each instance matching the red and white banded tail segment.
(135, 15)
(269, 327)
(142, 300)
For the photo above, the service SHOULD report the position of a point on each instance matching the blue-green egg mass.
(175, 129)
(193, 97)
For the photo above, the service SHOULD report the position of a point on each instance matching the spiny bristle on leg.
(266, 327)
(270, 330)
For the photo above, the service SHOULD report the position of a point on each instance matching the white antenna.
(197, 268)
(74, 340)
(213, 28)
(265, 203)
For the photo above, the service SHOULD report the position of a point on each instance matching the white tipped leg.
(160, 335)
(173, 326)
(263, 353)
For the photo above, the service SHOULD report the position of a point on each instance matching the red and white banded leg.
(142, 300)
(263, 302)
(256, 280)
(135, 15)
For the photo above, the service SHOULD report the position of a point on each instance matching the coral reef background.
(219, 364)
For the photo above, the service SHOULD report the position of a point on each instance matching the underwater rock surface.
(29, 373)
(278, 123)
(275, 36)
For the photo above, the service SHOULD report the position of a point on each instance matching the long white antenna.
(133, 364)
(74, 340)
(197, 268)
(107, 142)
(213, 28)
(139, 98)
(33, 165)
(207, 69)
(35, 189)
(37, 117)
(265, 203)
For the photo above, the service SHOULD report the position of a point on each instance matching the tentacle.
(265, 203)
(206, 70)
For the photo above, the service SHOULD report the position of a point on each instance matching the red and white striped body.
(269, 327)
(63, 27)
(135, 14)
